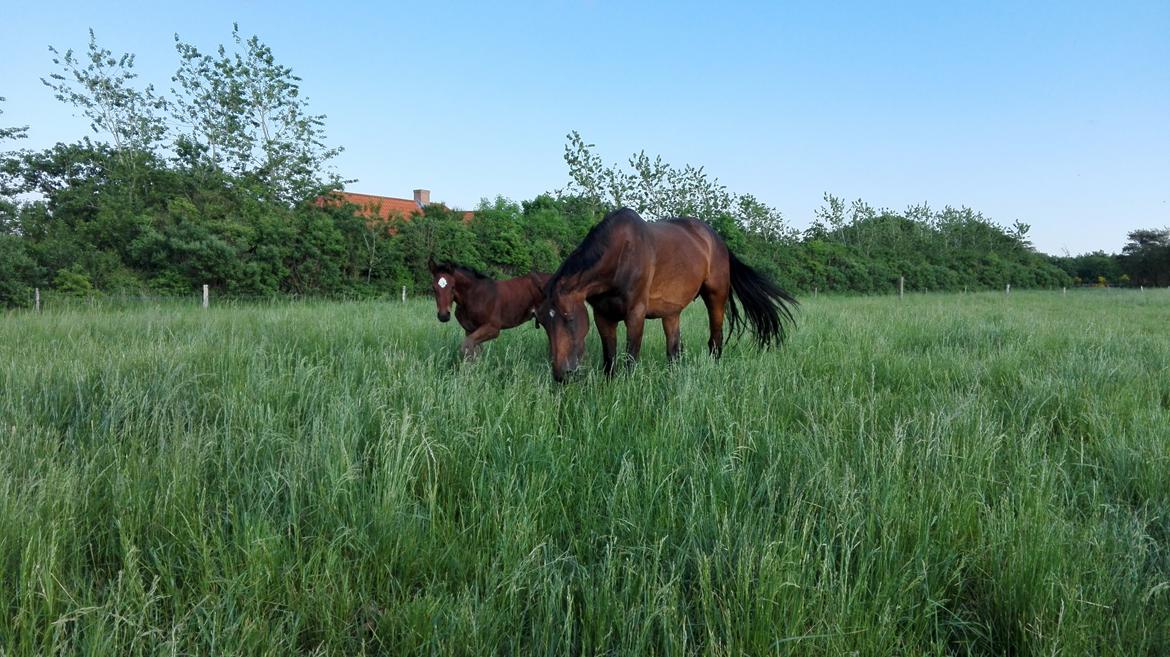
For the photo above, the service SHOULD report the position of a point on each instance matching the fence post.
(403, 294)
(815, 291)
(1064, 291)
(37, 297)
(205, 298)
(901, 286)
(1008, 290)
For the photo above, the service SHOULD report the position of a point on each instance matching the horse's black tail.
(766, 305)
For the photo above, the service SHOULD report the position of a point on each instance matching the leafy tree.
(17, 269)
(1146, 256)
(13, 132)
(499, 230)
(8, 209)
(658, 190)
(442, 233)
(101, 85)
(244, 112)
(1091, 266)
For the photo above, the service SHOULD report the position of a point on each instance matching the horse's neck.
(470, 287)
(586, 284)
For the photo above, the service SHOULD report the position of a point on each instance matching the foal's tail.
(766, 304)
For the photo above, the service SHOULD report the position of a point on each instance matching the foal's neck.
(467, 284)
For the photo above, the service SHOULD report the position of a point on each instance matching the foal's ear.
(431, 263)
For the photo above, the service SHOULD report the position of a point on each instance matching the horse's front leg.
(670, 326)
(471, 344)
(635, 322)
(607, 329)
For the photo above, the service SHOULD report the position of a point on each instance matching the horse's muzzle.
(444, 317)
(563, 374)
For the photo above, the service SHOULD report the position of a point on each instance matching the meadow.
(966, 474)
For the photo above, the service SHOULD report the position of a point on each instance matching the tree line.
(219, 181)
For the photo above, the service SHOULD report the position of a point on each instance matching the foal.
(484, 306)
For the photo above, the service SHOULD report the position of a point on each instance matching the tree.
(12, 133)
(8, 209)
(244, 112)
(1146, 256)
(101, 86)
(17, 270)
(657, 190)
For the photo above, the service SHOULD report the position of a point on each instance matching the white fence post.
(37, 297)
(205, 298)
(403, 294)
(1064, 291)
(1008, 290)
(901, 286)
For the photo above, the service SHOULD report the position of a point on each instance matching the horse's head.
(443, 284)
(566, 322)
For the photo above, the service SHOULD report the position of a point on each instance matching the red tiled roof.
(385, 207)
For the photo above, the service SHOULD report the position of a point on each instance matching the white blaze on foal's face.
(442, 281)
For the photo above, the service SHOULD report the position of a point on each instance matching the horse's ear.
(431, 263)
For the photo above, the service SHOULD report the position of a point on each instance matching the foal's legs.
(673, 337)
(471, 344)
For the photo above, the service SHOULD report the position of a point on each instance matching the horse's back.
(687, 254)
(684, 243)
(517, 298)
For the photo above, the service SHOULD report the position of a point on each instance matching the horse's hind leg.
(716, 301)
(673, 337)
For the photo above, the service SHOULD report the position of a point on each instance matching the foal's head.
(443, 284)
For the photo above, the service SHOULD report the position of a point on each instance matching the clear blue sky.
(1053, 113)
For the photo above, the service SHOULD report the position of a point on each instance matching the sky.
(1056, 114)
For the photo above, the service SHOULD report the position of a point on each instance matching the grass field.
(945, 475)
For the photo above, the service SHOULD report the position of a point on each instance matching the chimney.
(422, 197)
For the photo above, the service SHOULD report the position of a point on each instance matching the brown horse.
(484, 306)
(630, 270)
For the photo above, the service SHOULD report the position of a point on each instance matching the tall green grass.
(945, 475)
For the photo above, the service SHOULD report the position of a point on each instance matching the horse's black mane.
(451, 268)
(593, 247)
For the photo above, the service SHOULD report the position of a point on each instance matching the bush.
(73, 282)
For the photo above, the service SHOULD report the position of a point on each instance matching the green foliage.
(101, 85)
(17, 272)
(12, 132)
(1147, 257)
(73, 281)
(657, 190)
(229, 199)
(941, 475)
(499, 232)
(244, 112)
(1090, 266)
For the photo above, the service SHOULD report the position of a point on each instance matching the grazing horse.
(484, 305)
(630, 270)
